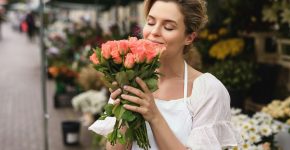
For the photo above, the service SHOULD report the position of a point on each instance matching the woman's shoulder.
(206, 81)
(207, 85)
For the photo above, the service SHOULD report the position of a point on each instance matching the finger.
(117, 101)
(135, 109)
(135, 91)
(110, 90)
(114, 86)
(133, 99)
(142, 85)
(115, 94)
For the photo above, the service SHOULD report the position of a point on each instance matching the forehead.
(166, 11)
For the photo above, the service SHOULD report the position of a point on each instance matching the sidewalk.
(21, 120)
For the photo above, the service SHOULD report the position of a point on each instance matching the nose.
(156, 30)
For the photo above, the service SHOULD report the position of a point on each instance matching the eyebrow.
(166, 20)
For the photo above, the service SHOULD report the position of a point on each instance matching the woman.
(190, 110)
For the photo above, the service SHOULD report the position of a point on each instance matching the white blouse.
(200, 121)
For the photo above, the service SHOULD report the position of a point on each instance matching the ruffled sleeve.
(104, 127)
(210, 108)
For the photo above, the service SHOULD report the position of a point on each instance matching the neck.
(172, 68)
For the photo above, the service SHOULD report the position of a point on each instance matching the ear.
(190, 38)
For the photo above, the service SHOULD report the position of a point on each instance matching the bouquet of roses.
(122, 61)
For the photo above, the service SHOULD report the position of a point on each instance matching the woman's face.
(165, 25)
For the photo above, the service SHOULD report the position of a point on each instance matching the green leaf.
(103, 117)
(128, 116)
(152, 84)
(106, 82)
(121, 138)
(129, 134)
(130, 74)
(118, 111)
(122, 78)
(108, 109)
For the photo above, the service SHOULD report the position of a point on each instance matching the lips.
(154, 41)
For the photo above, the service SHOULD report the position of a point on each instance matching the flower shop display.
(277, 12)
(238, 77)
(257, 131)
(89, 79)
(65, 85)
(206, 38)
(122, 61)
(279, 109)
(90, 103)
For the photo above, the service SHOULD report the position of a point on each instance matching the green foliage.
(235, 75)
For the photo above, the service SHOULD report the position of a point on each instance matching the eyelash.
(168, 29)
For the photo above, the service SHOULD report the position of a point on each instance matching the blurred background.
(50, 95)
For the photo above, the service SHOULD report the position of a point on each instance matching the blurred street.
(21, 118)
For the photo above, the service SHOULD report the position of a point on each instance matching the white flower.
(247, 126)
(277, 127)
(269, 15)
(246, 146)
(236, 111)
(265, 130)
(53, 50)
(90, 101)
(286, 16)
(254, 138)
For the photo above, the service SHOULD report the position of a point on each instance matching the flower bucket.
(70, 132)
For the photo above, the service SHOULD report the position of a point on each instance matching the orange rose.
(123, 47)
(129, 61)
(54, 71)
(94, 59)
(106, 50)
(116, 56)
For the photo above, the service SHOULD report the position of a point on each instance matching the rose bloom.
(137, 50)
(107, 48)
(94, 59)
(123, 47)
(129, 61)
(116, 56)
(150, 54)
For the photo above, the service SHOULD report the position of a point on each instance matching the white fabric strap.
(185, 81)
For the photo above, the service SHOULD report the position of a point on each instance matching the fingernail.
(137, 78)
(122, 95)
(125, 87)
(119, 90)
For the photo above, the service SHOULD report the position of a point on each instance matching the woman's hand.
(145, 100)
(115, 94)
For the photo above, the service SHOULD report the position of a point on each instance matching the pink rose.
(129, 61)
(133, 43)
(123, 47)
(106, 49)
(150, 51)
(132, 39)
(137, 49)
(94, 59)
(139, 55)
(116, 56)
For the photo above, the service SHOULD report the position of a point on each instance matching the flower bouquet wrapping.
(122, 61)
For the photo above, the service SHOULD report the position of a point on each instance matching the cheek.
(145, 32)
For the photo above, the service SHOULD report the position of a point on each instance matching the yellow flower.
(223, 31)
(203, 34)
(212, 37)
(224, 48)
